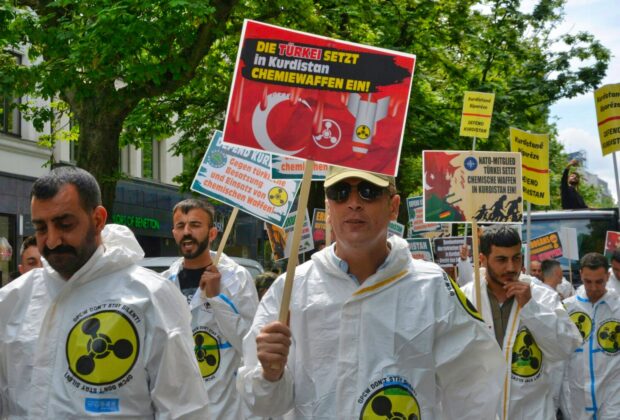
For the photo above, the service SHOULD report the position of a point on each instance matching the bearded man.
(223, 300)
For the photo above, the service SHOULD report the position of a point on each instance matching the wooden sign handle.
(293, 257)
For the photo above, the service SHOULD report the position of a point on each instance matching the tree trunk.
(98, 149)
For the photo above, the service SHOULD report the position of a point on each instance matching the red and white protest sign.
(318, 98)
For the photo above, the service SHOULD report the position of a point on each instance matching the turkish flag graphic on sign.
(317, 98)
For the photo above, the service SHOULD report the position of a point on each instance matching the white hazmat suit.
(613, 283)
(404, 342)
(219, 325)
(113, 340)
(591, 387)
(537, 336)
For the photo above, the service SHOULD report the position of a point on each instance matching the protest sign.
(607, 100)
(284, 167)
(546, 247)
(534, 149)
(395, 228)
(421, 249)
(448, 250)
(318, 225)
(612, 242)
(570, 246)
(277, 241)
(461, 186)
(415, 209)
(280, 239)
(241, 178)
(477, 113)
(317, 98)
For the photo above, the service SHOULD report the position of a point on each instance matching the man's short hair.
(87, 187)
(498, 235)
(615, 256)
(27, 243)
(548, 267)
(193, 203)
(594, 261)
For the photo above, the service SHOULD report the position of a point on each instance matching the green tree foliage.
(139, 70)
(103, 58)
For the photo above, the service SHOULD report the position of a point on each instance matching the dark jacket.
(571, 199)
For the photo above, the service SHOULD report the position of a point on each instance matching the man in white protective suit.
(373, 333)
(614, 272)
(529, 324)
(222, 300)
(91, 334)
(591, 387)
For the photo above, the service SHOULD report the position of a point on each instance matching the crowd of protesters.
(371, 332)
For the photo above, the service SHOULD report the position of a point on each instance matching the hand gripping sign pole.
(293, 258)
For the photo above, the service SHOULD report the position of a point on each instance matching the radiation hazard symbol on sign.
(362, 131)
(278, 196)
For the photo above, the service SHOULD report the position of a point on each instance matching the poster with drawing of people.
(463, 186)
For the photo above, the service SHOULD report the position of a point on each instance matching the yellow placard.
(534, 149)
(607, 100)
(477, 113)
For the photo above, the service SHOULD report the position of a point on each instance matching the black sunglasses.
(367, 191)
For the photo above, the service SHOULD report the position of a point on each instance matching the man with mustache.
(529, 323)
(372, 332)
(92, 334)
(223, 300)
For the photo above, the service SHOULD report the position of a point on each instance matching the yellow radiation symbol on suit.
(102, 348)
(391, 402)
(526, 355)
(362, 132)
(465, 303)
(207, 353)
(608, 336)
(583, 323)
(278, 196)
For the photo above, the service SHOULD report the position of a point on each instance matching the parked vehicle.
(161, 264)
(591, 225)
